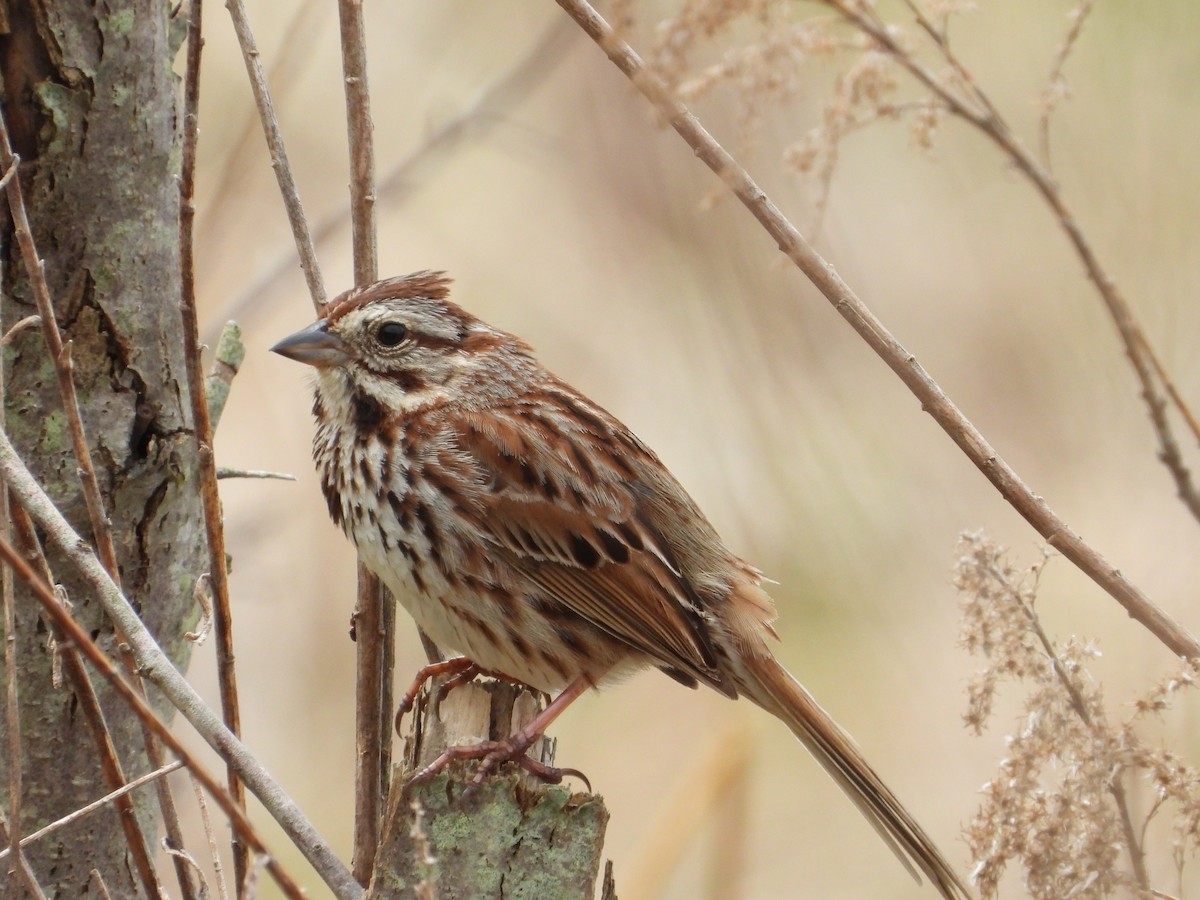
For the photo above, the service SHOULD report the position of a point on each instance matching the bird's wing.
(566, 494)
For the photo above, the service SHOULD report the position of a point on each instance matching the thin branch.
(95, 805)
(101, 888)
(285, 72)
(1056, 84)
(209, 496)
(159, 670)
(359, 130)
(22, 867)
(12, 706)
(24, 324)
(59, 356)
(85, 695)
(225, 365)
(985, 118)
(1169, 386)
(182, 857)
(933, 399)
(200, 593)
(45, 596)
(481, 114)
(374, 614)
(213, 851)
(279, 162)
(227, 472)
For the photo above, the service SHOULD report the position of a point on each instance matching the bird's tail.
(764, 681)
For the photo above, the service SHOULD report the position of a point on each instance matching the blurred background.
(514, 156)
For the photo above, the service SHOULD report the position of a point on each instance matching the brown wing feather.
(597, 553)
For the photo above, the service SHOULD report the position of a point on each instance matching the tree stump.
(512, 837)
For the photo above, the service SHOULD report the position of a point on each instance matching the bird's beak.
(314, 346)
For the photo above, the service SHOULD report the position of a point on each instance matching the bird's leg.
(460, 669)
(513, 748)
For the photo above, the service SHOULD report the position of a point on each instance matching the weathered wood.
(512, 837)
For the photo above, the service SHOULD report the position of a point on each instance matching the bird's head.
(403, 344)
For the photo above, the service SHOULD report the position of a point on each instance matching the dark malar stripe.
(368, 414)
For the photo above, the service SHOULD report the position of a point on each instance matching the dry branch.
(978, 110)
(23, 869)
(158, 669)
(110, 797)
(279, 162)
(375, 611)
(85, 695)
(227, 360)
(214, 530)
(488, 108)
(934, 400)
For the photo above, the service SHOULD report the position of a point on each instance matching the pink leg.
(460, 668)
(513, 748)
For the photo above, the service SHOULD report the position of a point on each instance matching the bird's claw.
(492, 754)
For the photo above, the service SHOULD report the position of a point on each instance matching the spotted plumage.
(525, 527)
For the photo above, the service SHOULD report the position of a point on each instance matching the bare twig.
(59, 356)
(979, 112)
(96, 804)
(182, 857)
(481, 114)
(101, 888)
(226, 363)
(12, 706)
(213, 851)
(227, 472)
(362, 151)
(1056, 84)
(210, 497)
(85, 696)
(33, 321)
(374, 614)
(285, 73)
(45, 596)
(933, 399)
(21, 868)
(159, 670)
(283, 171)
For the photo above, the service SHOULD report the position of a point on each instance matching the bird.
(525, 527)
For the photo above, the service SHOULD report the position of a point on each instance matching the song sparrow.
(524, 526)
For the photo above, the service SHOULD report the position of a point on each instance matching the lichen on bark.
(91, 102)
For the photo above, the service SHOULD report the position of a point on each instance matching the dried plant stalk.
(1059, 807)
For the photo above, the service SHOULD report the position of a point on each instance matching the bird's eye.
(389, 334)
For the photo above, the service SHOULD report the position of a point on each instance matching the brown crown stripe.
(426, 283)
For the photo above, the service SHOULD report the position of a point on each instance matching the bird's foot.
(492, 754)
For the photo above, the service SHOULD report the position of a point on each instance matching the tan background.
(573, 220)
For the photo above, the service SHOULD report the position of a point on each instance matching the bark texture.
(512, 837)
(91, 101)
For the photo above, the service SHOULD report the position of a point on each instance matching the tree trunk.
(91, 102)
